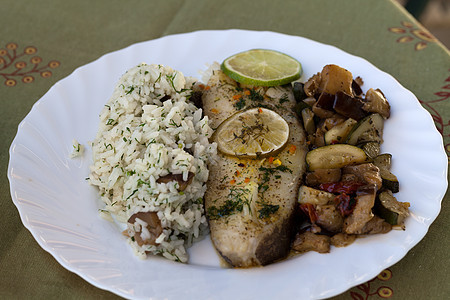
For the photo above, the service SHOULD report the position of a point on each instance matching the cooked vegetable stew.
(348, 187)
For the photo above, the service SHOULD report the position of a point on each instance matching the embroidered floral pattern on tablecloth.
(23, 65)
(369, 290)
(410, 33)
(441, 123)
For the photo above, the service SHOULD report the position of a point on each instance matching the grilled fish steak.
(250, 203)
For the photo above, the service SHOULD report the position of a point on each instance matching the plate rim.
(138, 44)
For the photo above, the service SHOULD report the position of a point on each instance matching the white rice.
(77, 149)
(140, 139)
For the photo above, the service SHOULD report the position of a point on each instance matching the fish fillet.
(250, 203)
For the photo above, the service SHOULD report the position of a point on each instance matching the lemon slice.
(256, 132)
(262, 67)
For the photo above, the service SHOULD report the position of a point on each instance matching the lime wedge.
(253, 133)
(262, 67)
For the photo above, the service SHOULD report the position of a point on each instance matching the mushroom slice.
(149, 230)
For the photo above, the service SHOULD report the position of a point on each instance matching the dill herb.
(255, 96)
(267, 210)
(240, 104)
(267, 173)
(237, 199)
(284, 99)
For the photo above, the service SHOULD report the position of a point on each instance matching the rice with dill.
(150, 130)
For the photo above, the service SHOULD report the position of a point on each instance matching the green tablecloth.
(42, 42)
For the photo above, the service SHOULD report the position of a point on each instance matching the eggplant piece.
(391, 210)
(342, 239)
(308, 121)
(357, 91)
(369, 129)
(322, 112)
(319, 138)
(319, 176)
(329, 123)
(336, 79)
(311, 87)
(375, 225)
(349, 106)
(308, 241)
(367, 173)
(308, 195)
(310, 101)
(326, 101)
(375, 102)
(329, 218)
(362, 213)
(349, 177)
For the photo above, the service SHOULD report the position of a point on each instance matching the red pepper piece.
(309, 210)
(345, 204)
(349, 187)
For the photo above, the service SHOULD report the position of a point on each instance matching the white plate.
(60, 208)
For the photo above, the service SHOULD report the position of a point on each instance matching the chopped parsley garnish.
(134, 192)
(170, 79)
(130, 90)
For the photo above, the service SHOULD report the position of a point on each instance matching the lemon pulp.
(256, 132)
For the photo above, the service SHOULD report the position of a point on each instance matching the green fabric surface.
(72, 33)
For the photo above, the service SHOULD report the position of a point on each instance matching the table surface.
(58, 36)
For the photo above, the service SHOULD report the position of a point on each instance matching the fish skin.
(244, 239)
